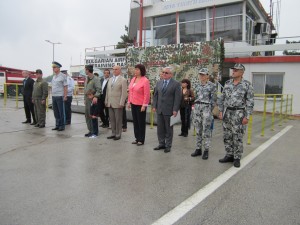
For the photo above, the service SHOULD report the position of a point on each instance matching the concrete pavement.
(50, 177)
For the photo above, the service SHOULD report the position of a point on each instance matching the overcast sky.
(78, 24)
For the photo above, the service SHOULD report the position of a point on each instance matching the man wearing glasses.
(236, 105)
(166, 103)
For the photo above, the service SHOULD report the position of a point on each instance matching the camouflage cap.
(204, 71)
(239, 66)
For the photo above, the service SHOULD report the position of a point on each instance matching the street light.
(53, 44)
(141, 22)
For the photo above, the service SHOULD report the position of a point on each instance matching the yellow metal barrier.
(5, 94)
(249, 130)
(264, 117)
(151, 112)
(17, 93)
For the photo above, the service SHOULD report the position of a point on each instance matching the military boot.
(236, 163)
(196, 153)
(226, 159)
(205, 155)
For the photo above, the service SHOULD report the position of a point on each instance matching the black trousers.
(95, 130)
(139, 122)
(103, 113)
(124, 118)
(185, 116)
(68, 109)
(29, 108)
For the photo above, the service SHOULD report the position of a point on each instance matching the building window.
(228, 28)
(165, 35)
(268, 83)
(165, 20)
(192, 32)
(1, 74)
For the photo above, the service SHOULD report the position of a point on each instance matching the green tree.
(125, 40)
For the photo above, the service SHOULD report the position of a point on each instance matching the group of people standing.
(107, 97)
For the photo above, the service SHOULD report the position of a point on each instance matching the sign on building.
(103, 63)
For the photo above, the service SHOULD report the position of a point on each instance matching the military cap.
(56, 64)
(239, 66)
(89, 67)
(39, 71)
(204, 71)
(64, 71)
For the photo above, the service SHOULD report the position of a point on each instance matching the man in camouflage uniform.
(236, 105)
(91, 83)
(205, 100)
(39, 96)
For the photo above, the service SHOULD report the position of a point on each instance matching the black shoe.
(104, 126)
(205, 155)
(237, 163)
(36, 125)
(55, 128)
(27, 121)
(88, 134)
(196, 153)
(181, 134)
(140, 143)
(41, 126)
(116, 138)
(134, 142)
(226, 159)
(61, 129)
(167, 150)
(185, 135)
(159, 147)
(68, 123)
(111, 137)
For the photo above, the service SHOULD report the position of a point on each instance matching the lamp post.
(141, 22)
(53, 45)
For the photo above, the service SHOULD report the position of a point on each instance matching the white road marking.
(179, 211)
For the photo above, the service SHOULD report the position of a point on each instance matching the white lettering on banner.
(184, 4)
(107, 62)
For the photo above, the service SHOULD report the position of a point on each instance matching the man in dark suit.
(27, 97)
(104, 116)
(166, 103)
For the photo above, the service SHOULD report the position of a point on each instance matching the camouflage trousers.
(202, 121)
(234, 132)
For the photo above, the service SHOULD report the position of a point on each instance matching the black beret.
(39, 71)
(89, 67)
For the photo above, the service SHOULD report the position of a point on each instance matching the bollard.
(250, 130)
(17, 96)
(291, 107)
(5, 94)
(273, 113)
(286, 108)
(281, 106)
(264, 117)
(195, 133)
(151, 112)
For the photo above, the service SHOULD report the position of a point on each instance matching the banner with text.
(103, 63)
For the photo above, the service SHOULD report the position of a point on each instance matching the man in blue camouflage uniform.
(236, 105)
(205, 100)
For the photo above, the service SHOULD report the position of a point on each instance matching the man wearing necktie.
(115, 98)
(27, 97)
(166, 103)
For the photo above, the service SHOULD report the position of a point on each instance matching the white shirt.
(71, 85)
(104, 83)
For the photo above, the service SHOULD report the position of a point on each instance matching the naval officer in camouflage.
(92, 83)
(236, 105)
(205, 101)
(39, 96)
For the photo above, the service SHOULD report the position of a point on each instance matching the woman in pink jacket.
(138, 100)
